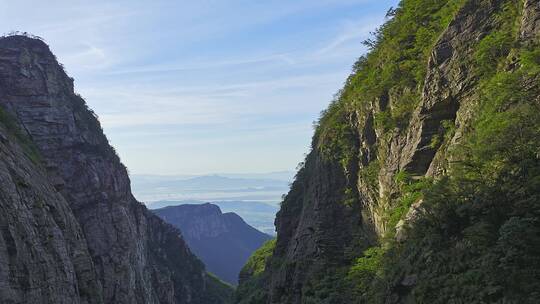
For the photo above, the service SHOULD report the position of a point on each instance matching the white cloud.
(171, 66)
(354, 32)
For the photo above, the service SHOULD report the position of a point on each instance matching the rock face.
(333, 211)
(43, 253)
(315, 228)
(223, 241)
(135, 257)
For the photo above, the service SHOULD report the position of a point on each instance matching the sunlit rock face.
(337, 206)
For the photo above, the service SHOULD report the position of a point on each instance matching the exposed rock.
(409, 280)
(316, 229)
(137, 257)
(43, 252)
(449, 82)
(530, 24)
(413, 214)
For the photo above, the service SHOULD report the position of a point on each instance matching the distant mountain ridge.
(223, 241)
(286, 176)
(257, 214)
(262, 187)
(214, 181)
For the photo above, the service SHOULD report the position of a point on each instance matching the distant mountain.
(221, 182)
(257, 214)
(223, 241)
(286, 176)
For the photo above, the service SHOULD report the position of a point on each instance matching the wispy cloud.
(354, 32)
(211, 104)
(213, 85)
(175, 67)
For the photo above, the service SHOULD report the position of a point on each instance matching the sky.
(206, 86)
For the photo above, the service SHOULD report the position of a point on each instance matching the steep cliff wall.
(43, 252)
(415, 115)
(136, 257)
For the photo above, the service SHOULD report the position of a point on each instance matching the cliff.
(71, 229)
(223, 241)
(423, 171)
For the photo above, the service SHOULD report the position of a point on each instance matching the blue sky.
(198, 87)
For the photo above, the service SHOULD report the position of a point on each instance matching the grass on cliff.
(218, 291)
(396, 66)
(251, 289)
(257, 262)
(478, 236)
(23, 139)
(478, 239)
(394, 70)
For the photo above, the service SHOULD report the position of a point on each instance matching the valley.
(421, 183)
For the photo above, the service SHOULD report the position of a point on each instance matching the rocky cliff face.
(107, 234)
(350, 195)
(223, 241)
(43, 253)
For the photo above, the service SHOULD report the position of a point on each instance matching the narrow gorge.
(421, 183)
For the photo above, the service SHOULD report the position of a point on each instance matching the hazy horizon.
(260, 187)
(225, 174)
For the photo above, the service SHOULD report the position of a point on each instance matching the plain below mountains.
(268, 187)
(255, 197)
(223, 241)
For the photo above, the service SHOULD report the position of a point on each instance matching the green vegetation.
(251, 289)
(336, 142)
(13, 129)
(493, 48)
(476, 237)
(257, 262)
(530, 61)
(366, 269)
(384, 121)
(400, 49)
(218, 291)
(394, 69)
(411, 191)
(328, 287)
(479, 233)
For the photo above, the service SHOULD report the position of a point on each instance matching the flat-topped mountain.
(223, 241)
(259, 215)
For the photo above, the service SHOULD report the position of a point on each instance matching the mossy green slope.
(252, 275)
